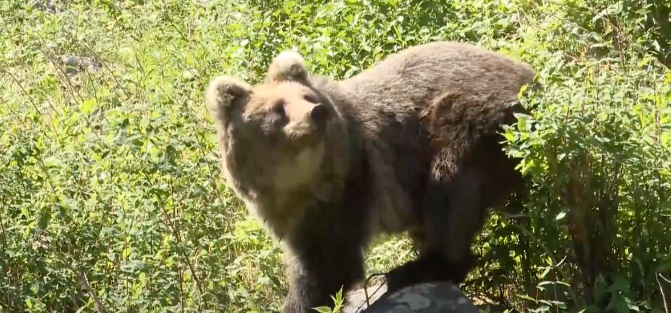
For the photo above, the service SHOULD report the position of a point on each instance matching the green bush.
(110, 196)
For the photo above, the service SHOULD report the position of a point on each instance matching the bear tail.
(460, 120)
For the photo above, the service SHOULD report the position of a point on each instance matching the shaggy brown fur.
(408, 145)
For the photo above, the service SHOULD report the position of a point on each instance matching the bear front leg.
(311, 284)
(326, 255)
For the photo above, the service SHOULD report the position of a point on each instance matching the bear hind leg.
(454, 214)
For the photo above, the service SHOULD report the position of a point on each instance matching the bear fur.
(409, 145)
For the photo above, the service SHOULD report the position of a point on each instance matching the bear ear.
(287, 65)
(221, 95)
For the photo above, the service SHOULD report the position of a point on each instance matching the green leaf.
(52, 161)
(126, 252)
(522, 123)
(322, 309)
(44, 217)
(87, 106)
(25, 212)
(546, 271)
(35, 287)
(560, 216)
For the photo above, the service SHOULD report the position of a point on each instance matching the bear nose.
(319, 113)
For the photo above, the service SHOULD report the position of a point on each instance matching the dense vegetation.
(109, 190)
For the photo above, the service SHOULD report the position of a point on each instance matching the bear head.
(275, 138)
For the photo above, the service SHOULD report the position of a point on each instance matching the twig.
(85, 281)
(365, 290)
(661, 290)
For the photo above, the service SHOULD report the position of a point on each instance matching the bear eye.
(278, 117)
(311, 98)
(278, 108)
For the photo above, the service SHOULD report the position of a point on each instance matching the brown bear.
(411, 144)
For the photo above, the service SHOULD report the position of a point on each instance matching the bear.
(411, 144)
